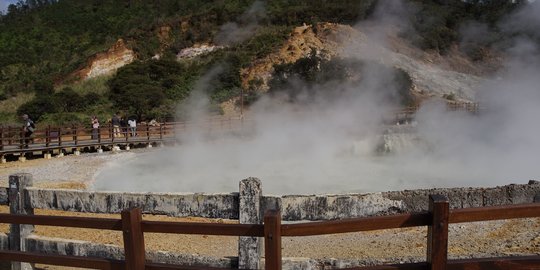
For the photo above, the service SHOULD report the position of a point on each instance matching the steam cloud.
(328, 144)
(236, 32)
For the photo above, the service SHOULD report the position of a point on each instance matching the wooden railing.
(133, 227)
(13, 140)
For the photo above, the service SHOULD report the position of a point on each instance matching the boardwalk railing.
(133, 227)
(13, 140)
(46, 139)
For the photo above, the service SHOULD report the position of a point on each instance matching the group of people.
(120, 126)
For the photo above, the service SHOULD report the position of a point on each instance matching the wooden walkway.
(50, 139)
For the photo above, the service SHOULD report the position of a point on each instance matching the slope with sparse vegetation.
(44, 42)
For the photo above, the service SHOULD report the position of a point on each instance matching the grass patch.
(96, 85)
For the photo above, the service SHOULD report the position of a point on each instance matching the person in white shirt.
(132, 123)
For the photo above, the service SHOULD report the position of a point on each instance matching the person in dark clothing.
(95, 127)
(123, 125)
(115, 121)
(28, 129)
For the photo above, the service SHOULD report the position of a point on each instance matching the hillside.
(63, 61)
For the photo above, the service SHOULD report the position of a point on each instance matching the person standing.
(95, 127)
(115, 121)
(132, 123)
(28, 129)
(123, 126)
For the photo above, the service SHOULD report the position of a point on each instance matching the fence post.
(48, 136)
(75, 135)
(249, 248)
(133, 239)
(1, 138)
(22, 140)
(60, 137)
(272, 240)
(99, 136)
(437, 246)
(9, 135)
(19, 204)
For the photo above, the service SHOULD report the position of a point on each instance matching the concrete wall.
(3, 196)
(417, 200)
(88, 249)
(293, 207)
(328, 207)
(4, 241)
(195, 204)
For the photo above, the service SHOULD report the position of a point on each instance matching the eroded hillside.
(432, 75)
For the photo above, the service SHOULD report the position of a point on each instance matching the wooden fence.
(133, 227)
(13, 140)
(46, 139)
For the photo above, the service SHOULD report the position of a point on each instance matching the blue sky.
(5, 3)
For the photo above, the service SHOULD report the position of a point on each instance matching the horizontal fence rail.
(62, 260)
(14, 141)
(437, 219)
(355, 225)
(62, 221)
(203, 228)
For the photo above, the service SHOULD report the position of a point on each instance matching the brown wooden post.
(112, 131)
(18, 204)
(22, 138)
(99, 136)
(9, 135)
(59, 136)
(148, 133)
(133, 239)
(48, 136)
(1, 138)
(161, 132)
(272, 240)
(437, 246)
(75, 136)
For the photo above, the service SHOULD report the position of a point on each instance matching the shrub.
(37, 107)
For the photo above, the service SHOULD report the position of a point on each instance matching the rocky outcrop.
(196, 50)
(107, 62)
(429, 78)
(324, 38)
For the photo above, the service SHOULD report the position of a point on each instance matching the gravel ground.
(480, 239)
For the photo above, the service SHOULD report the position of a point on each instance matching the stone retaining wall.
(58, 246)
(195, 204)
(293, 207)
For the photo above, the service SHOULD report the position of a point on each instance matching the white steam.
(248, 23)
(328, 144)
